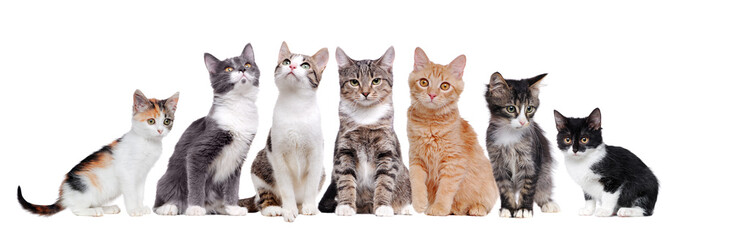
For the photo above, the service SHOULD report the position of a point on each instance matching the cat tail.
(249, 204)
(43, 210)
(328, 202)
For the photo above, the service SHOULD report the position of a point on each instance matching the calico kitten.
(118, 168)
(203, 172)
(519, 151)
(448, 171)
(614, 176)
(368, 173)
(288, 173)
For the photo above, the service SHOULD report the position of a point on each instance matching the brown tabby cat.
(448, 170)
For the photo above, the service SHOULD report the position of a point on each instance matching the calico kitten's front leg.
(385, 182)
(132, 191)
(418, 181)
(345, 172)
(589, 208)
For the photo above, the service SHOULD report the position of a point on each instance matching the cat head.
(152, 117)
(578, 136)
(365, 82)
(297, 71)
(436, 86)
(513, 102)
(233, 75)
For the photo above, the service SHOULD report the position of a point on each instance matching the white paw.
(308, 209)
(384, 211)
(586, 211)
(630, 212)
(407, 210)
(523, 213)
(167, 210)
(603, 212)
(550, 207)
(136, 212)
(236, 210)
(289, 214)
(195, 211)
(272, 211)
(114, 209)
(345, 210)
(505, 213)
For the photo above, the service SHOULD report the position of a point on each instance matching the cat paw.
(603, 212)
(195, 211)
(167, 210)
(550, 207)
(586, 211)
(384, 211)
(289, 214)
(524, 213)
(437, 210)
(478, 210)
(114, 209)
(505, 213)
(345, 210)
(407, 210)
(272, 211)
(630, 212)
(136, 212)
(420, 207)
(308, 209)
(236, 211)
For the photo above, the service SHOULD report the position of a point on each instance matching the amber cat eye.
(584, 140)
(567, 140)
(423, 82)
(229, 69)
(151, 121)
(247, 65)
(444, 86)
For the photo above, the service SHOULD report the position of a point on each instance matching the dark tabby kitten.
(519, 151)
(203, 173)
(368, 173)
(612, 175)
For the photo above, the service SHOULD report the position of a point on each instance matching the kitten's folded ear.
(497, 82)
(420, 59)
(211, 62)
(387, 59)
(248, 53)
(560, 120)
(172, 102)
(534, 81)
(457, 66)
(595, 119)
(342, 59)
(321, 58)
(284, 52)
(141, 103)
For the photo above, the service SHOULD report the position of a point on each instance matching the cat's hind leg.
(114, 209)
(91, 212)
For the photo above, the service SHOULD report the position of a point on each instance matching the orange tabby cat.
(448, 170)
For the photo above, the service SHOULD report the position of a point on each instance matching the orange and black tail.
(46, 210)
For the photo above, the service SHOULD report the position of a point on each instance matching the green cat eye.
(167, 121)
(286, 62)
(305, 65)
(376, 81)
(530, 109)
(354, 82)
(151, 121)
(511, 109)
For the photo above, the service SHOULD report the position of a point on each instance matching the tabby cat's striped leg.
(505, 187)
(384, 190)
(345, 173)
(526, 196)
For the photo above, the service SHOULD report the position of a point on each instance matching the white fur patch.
(523, 213)
(195, 211)
(550, 207)
(309, 209)
(114, 209)
(578, 167)
(139, 211)
(235, 112)
(384, 211)
(630, 212)
(407, 210)
(589, 208)
(236, 210)
(603, 212)
(508, 136)
(345, 210)
(365, 115)
(167, 210)
(505, 213)
(272, 211)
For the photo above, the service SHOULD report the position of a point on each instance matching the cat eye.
(423, 82)
(247, 65)
(229, 69)
(305, 65)
(530, 109)
(151, 121)
(376, 81)
(167, 121)
(511, 109)
(444, 86)
(354, 82)
(286, 62)
(584, 140)
(567, 140)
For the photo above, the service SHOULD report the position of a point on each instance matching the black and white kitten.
(614, 176)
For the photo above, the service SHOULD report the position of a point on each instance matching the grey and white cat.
(288, 173)
(203, 173)
(518, 150)
(368, 173)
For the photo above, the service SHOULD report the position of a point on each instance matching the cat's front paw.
(345, 210)
(195, 211)
(586, 211)
(505, 213)
(114, 209)
(384, 211)
(524, 213)
(139, 211)
(603, 212)
(272, 211)
(167, 210)
(420, 206)
(236, 211)
(550, 207)
(289, 214)
(308, 209)
(407, 210)
(437, 210)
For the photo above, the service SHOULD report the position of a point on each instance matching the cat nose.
(432, 96)
(160, 131)
(292, 67)
(522, 122)
(574, 150)
(365, 94)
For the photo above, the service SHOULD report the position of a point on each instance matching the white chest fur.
(136, 155)
(508, 135)
(579, 169)
(238, 115)
(365, 115)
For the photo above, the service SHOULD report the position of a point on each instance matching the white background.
(658, 70)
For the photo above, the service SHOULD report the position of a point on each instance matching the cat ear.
(141, 103)
(457, 66)
(560, 120)
(420, 59)
(248, 53)
(211, 62)
(342, 59)
(387, 59)
(497, 82)
(284, 52)
(321, 58)
(534, 81)
(595, 119)
(172, 102)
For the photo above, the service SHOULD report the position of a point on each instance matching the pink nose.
(292, 67)
(522, 122)
(432, 96)
(160, 131)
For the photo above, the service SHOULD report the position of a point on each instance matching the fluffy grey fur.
(368, 172)
(205, 168)
(520, 154)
